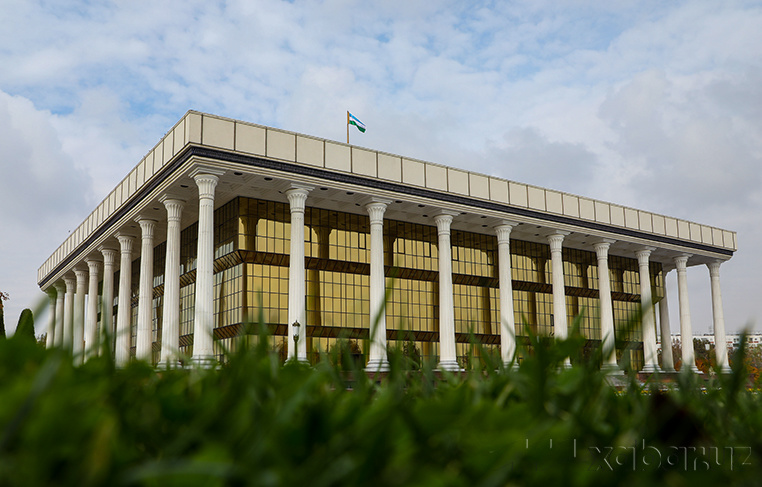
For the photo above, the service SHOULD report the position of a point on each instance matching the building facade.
(225, 223)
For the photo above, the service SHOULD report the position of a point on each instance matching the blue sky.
(655, 105)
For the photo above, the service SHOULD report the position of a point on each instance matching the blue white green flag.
(352, 120)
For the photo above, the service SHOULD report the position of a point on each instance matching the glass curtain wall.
(251, 251)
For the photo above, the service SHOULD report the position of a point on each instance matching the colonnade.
(75, 328)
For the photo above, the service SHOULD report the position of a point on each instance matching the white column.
(651, 361)
(507, 320)
(68, 340)
(170, 333)
(378, 360)
(448, 359)
(608, 335)
(686, 331)
(667, 361)
(720, 343)
(78, 334)
(60, 294)
(51, 338)
(297, 197)
(203, 323)
(124, 306)
(91, 319)
(145, 291)
(107, 302)
(560, 325)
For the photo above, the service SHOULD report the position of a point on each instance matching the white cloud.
(651, 104)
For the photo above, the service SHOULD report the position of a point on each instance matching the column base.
(726, 370)
(449, 365)
(377, 365)
(651, 369)
(611, 369)
(169, 364)
(203, 361)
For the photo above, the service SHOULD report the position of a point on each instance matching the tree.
(25, 328)
(3, 297)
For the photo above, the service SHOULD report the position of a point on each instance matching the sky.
(649, 104)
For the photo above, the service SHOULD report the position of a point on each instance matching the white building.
(225, 221)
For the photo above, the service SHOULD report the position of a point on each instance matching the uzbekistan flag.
(352, 120)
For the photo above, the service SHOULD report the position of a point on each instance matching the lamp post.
(295, 326)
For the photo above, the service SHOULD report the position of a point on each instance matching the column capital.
(681, 261)
(93, 265)
(503, 230)
(70, 282)
(109, 255)
(297, 198)
(125, 242)
(174, 207)
(443, 220)
(602, 247)
(643, 254)
(376, 210)
(714, 267)
(206, 184)
(556, 239)
(60, 286)
(147, 225)
(80, 275)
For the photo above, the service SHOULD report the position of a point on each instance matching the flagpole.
(347, 127)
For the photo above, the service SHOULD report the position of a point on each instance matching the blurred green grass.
(256, 421)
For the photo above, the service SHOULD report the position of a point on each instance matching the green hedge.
(257, 422)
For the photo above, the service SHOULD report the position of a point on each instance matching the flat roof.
(226, 138)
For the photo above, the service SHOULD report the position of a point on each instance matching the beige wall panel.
(281, 145)
(337, 156)
(517, 192)
(694, 230)
(436, 177)
(683, 229)
(717, 237)
(309, 151)
(193, 128)
(140, 173)
(706, 234)
(536, 198)
(729, 239)
(218, 133)
(658, 224)
(498, 190)
(178, 141)
(457, 181)
(571, 205)
(646, 222)
(617, 215)
(364, 162)
(587, 209)
(602, 212)
(250, 139)
(133, 185)
(389, 167)
(670, 226)
(478, 186)
(554, 201)
(169, 149)
(634, 219)
(413, 172)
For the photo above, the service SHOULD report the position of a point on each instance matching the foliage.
(256, 421)
(3, 297)
(25, 327)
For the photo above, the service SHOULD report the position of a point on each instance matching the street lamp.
(295, 326)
